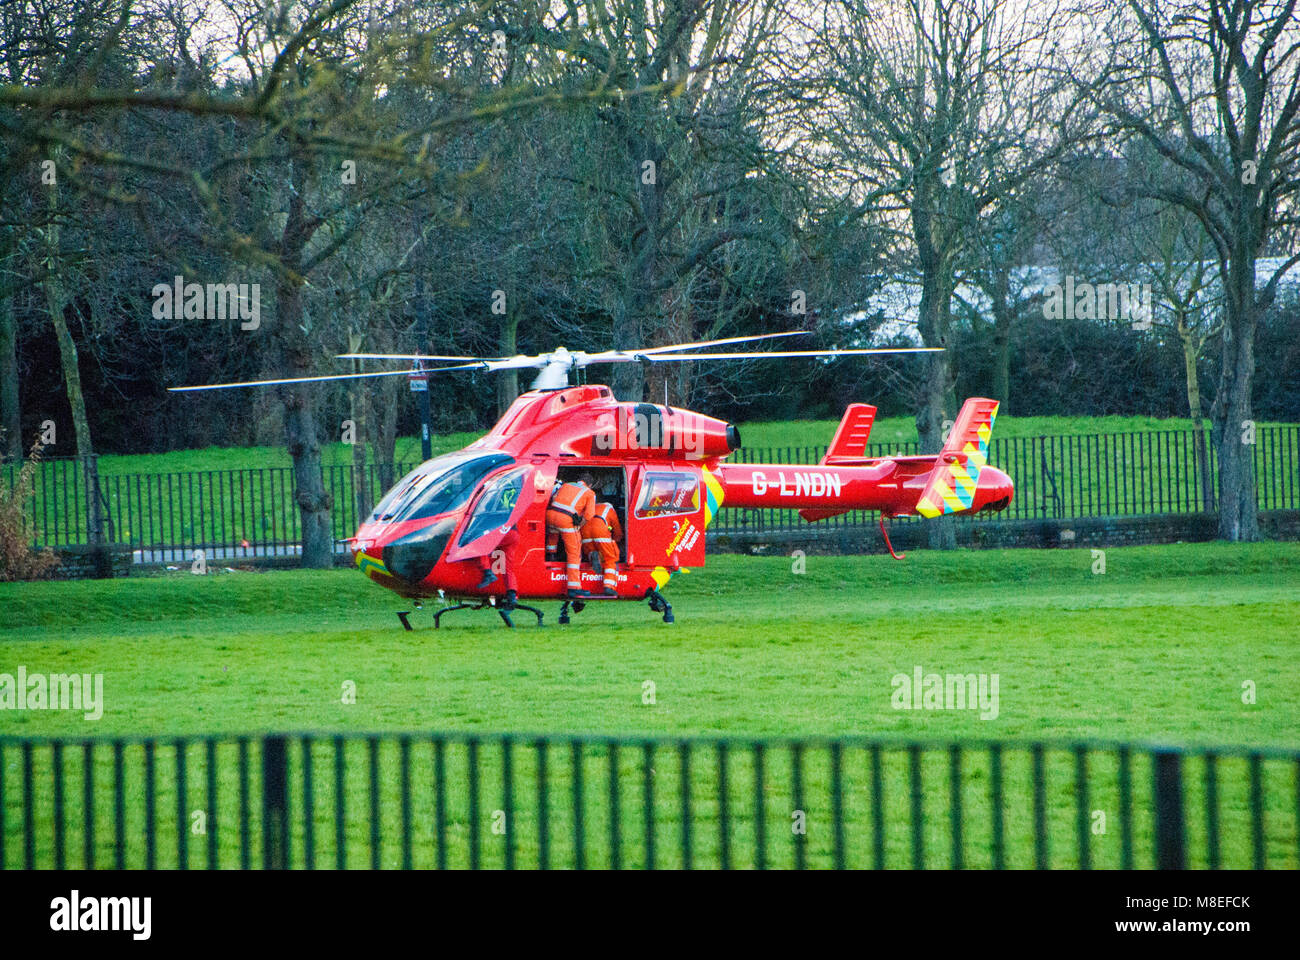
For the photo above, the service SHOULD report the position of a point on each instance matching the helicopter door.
(499, 506)
(665, 517)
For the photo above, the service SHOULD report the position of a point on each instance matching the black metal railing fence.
(397, 800)
(238, 513)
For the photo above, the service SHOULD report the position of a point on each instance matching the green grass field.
(1157, 648)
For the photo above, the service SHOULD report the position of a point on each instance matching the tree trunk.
(385, 436)
(937, 399)
(508, 380)
(56, 304)
(643, 268)
(1002, 321)
(1191, 349)
(313, 499)
(10, 412)
(357, 413)
(1234, 427)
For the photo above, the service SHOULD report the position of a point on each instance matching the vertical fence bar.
(340, 807)
(954, 805)
(615, 835)
(543, 810)
(182, 834)
(877, 809)
(796, 783)
(29, 811)
(724, 812)
(56, 764)
(918, 831)
(404, 758)
(210, 762)
(837, 803)
(308, 807)
(275, 803)
(648, 801)
(376, 852)
(440, 801)
(119, 809)
(760, 811)
(1212, 810)
(1081, 806)
(579, 832)
(508, 798)
(87, 807)
(684, 759)
(245, 845)
(995, 800)
(150, 829)
(1125, 808)
(1040, 808)
(475, 836)
(1171, 846)
(1257, 811)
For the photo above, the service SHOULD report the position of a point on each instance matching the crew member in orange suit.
(571, 506)
(600, 538)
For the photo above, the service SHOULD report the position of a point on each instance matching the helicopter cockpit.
(437, 486)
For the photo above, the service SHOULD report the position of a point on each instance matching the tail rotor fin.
(951, 485)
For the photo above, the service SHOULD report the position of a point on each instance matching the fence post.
(275, 804)
(1170, 830)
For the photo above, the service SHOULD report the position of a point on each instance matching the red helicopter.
(664, 470)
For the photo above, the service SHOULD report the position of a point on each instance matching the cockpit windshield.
(437, 486)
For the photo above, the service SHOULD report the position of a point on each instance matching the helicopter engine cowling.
(647, 430)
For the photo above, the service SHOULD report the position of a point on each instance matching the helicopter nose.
(411, 558)
(995, 490)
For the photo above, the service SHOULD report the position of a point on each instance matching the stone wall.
(83, 562)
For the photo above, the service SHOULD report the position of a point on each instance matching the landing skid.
(503, 609)
(659, 605)
(656, 599)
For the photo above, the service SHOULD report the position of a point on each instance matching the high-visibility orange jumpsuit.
(600, 537)
(571, 506)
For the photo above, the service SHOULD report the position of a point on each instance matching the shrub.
(18, 560)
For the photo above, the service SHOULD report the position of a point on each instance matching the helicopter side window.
(430, 491)
(500, 497)
(667, 494)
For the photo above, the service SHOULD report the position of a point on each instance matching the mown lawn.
(1160, 647)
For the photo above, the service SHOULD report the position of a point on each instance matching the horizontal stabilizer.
(850, 442)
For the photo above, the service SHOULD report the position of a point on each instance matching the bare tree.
(1214, 89)
(938, 112)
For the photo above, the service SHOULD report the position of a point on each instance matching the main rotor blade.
(715, 343)
(628, 356)
(664, 358)
(408, 356)
(336, 376)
